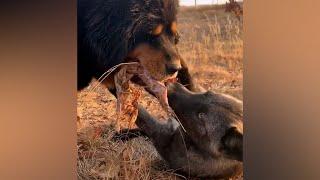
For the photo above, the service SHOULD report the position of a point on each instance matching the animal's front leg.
(184, 77)
(160, 132)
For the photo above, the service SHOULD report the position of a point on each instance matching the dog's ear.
(232, 144)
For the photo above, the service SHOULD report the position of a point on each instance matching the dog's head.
(156, 36)
(212, 121)
(134, 30)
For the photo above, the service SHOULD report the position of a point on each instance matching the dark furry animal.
(111, 32)
(212, 145)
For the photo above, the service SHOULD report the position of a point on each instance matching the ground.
(212, 44)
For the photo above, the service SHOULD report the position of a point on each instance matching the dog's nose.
(172, 68)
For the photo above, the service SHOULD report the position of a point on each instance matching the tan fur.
(174, 27)
(152, 60)
(158, 30)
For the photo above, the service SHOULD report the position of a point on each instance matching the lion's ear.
(232, 144)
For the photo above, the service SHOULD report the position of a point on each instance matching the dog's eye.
(201, 115)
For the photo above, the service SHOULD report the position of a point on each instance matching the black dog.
(111, 32)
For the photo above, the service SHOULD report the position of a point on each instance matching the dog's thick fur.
(111, 32)
(213, 141)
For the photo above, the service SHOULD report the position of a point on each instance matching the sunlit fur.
(109, 30)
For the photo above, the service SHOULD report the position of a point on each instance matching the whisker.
(107, 73)
(172, 113)
(176, 117)
(185, 147)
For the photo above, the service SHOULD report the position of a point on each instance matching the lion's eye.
(157, 30)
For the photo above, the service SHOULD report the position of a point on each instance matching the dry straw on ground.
(212, 44)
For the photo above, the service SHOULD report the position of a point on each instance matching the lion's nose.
(172, 68)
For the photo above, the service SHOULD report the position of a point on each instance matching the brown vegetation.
(234, 7)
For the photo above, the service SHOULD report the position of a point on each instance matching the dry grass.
(212, 44)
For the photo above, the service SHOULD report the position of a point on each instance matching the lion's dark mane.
(109, 29)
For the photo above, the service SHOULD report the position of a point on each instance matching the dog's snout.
(172, 68)
(233, 144)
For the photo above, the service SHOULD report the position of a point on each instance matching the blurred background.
(202, 2)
